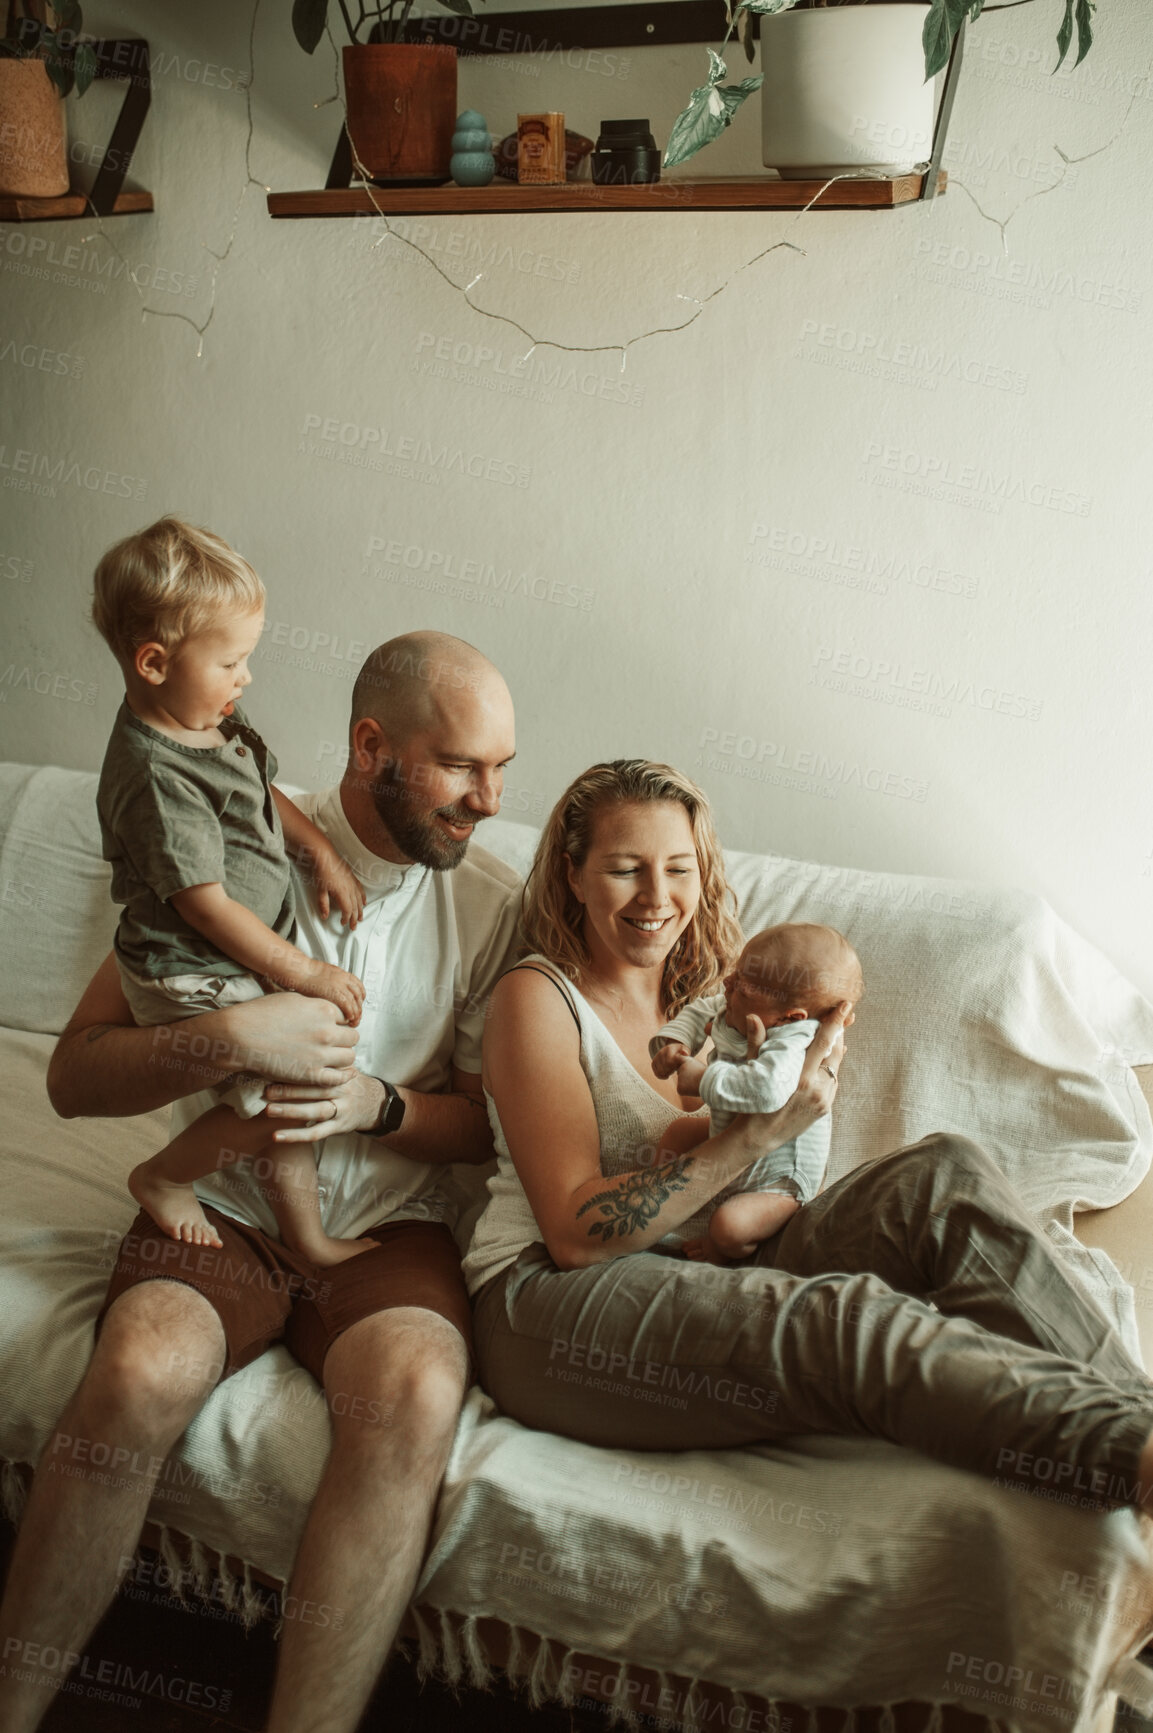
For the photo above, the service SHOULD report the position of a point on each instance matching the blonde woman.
(583, 1327)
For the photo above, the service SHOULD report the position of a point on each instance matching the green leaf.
(460, 7)
(936, 38)
(68, 14)
(941, 25)
(57, 62)
(84, 66)
(309, 18)
(1065, 34)
(710, 109)
(1085, 11)
(745, 32)
(744, 11)
(60, 72)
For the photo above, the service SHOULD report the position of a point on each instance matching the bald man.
(387, 1332)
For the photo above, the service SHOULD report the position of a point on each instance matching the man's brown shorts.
(264, 1293)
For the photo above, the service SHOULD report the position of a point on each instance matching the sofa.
(843, 1579)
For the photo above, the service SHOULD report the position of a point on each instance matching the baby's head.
(176, 603)
(790, 972)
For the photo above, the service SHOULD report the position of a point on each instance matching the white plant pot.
(845, 89)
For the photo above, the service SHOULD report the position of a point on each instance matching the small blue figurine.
(473, 164)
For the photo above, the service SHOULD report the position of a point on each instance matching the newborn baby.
(785, 980)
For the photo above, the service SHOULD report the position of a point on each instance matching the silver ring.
(830, 1071)
(334, 1107)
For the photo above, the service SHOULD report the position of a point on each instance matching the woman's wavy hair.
(553, 917)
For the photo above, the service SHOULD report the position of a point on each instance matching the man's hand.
(670, 1058)
(106, 1065)
(312, 1113)
(289, 1038)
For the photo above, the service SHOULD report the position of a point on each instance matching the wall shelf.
(69, 207)
(125, 58)
(750, 193)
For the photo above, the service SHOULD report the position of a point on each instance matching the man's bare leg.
(87, 1507)
(394, 1384)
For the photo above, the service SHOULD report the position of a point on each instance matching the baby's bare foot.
(703, 1251)
(174, 1208)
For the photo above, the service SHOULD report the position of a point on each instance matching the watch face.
(393, 1114)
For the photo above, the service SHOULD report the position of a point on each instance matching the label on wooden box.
(540, 149)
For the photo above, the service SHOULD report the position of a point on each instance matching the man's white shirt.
(429, 948)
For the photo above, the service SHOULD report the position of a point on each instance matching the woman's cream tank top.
(631, 1119)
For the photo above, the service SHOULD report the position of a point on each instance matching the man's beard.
(413, 828)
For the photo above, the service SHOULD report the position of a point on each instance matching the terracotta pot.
(401, 109)
(845, 89)
(33, 157)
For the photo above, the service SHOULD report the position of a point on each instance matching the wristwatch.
(391, 1112)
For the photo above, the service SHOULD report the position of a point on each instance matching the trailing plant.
(34, 30)
(385, 23)
(712, 106)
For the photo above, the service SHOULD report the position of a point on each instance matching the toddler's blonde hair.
(166, 583)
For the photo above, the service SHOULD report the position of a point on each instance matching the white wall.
(738, 509)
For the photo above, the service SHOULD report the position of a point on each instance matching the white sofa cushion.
(56, 916)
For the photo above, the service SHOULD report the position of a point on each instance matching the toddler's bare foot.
(174, 1208)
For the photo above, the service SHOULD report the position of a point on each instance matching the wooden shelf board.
(750, 193)
(68, 207)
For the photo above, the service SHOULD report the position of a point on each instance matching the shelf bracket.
(340, 168)
(944, 113)
(124, 57)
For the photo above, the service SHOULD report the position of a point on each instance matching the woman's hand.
(815, 1092)
(288, 1038)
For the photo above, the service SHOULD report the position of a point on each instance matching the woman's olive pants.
(917, 1300)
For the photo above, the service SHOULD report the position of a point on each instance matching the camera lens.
(626, 154)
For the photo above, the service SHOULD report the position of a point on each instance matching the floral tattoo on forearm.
(629, 1208)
